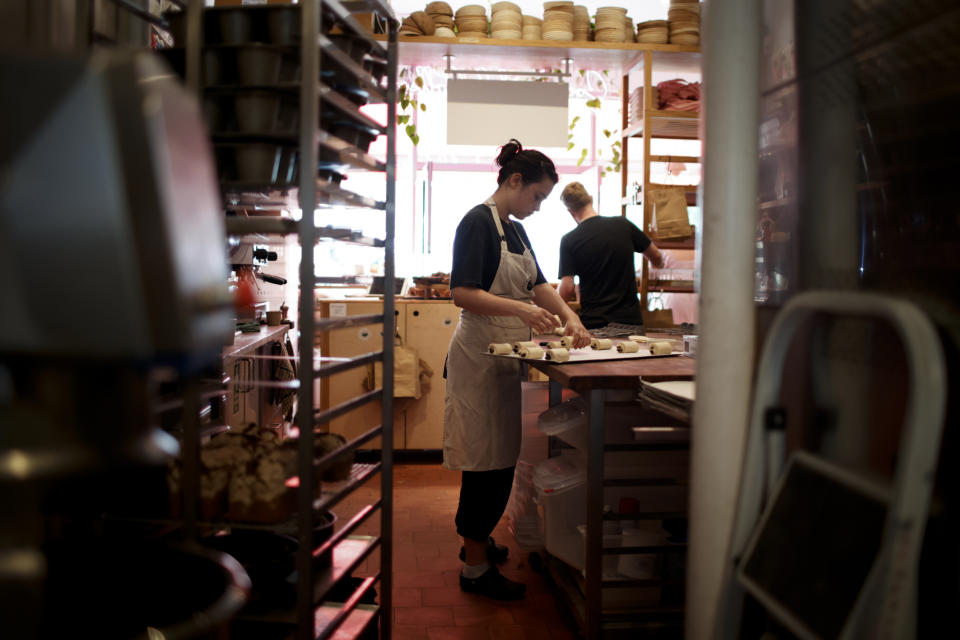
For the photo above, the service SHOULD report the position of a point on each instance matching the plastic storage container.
(561, 484)
(568, 421)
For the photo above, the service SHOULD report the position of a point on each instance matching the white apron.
(482, 418)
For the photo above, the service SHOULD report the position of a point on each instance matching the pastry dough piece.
(500, 348)
(661, 347)
(601, 344)
(520, 345)
(558, 355)
(642, 339)
(531, 353)
(566, 341)
(558, 331)
(628, 346)
(555, 345)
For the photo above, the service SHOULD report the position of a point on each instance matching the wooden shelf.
(674, 243)
(776, 204)
(683, 159)
(652, 286)
(495, 54)
(671, 125)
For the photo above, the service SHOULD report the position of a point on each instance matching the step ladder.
(815, 580)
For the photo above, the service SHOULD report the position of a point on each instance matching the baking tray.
(586, 354)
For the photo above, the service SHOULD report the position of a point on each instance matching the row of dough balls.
(560, 350)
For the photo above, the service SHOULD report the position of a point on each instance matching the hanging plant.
(612, 136)
(409, 99)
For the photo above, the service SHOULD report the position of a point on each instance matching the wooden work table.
(600, 384)
(617, 374)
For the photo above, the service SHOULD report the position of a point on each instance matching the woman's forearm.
(485, 303)
(546, 297)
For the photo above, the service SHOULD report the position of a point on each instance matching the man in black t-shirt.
(600, 251)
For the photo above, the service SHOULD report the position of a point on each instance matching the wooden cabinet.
(429, 328)
(426, 326)
(346, 343)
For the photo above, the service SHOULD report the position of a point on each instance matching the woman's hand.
(539, 320)
(579, 333)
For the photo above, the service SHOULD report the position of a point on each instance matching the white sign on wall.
(490, 112)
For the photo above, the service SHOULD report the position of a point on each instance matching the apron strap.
(496, 220)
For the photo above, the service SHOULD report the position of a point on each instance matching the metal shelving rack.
(314, 618)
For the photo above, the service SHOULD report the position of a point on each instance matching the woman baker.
(504, 298)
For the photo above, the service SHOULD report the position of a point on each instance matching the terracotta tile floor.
(427, 601)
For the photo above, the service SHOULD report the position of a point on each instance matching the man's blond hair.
(575, 197)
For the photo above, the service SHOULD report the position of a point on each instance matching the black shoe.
(493, 585)
(496, 553)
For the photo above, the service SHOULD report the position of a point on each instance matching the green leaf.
(570, 146)
(418, 81)
(402, 92)
(569, 136)
(599, 84)
(573, 122)
(423, 107)
(582, 71)
(599, 153)
(411, 129)
(583, 156)
(606, 72)
(413, 103)
(606, 133)
(404, 103)
(595, 103)
(415, 138)
(616, 144)
(403, 119)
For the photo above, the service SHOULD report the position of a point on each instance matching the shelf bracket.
(449, 70)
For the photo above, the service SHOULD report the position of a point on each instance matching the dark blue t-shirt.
(476, 249)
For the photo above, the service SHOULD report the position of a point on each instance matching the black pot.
(117, 590)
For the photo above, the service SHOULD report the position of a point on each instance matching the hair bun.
(509, 151)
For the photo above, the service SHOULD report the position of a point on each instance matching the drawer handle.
(416, 313)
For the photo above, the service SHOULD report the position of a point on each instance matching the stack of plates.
(506, 21)
(442, 15)
(581, 24)
(629, 35)
(684, 20)
(652, 31)
(610, 23)
(471, 21)
(558, 21)
(532, 28)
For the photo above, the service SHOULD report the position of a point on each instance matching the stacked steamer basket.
(629, 35)
(610, 24)
(652, 31)
(581, 24)
(442, 15)
(532, 28)
(684, 18)
(558, 21)
(417, 24)
(471, 21)
(506, 21)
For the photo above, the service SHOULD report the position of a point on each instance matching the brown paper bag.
(670, 213)
(406, 372)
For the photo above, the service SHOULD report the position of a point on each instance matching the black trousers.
(483, 498)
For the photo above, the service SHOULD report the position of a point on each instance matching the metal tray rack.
(313, 616)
